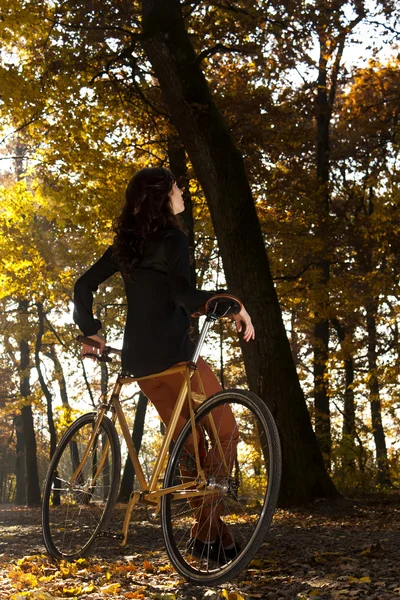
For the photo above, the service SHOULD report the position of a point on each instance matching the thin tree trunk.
(349, 419)
(106, 471)
(128, 476)
(321, 326)
(219, 167)
(88, 388)
(375, 400)
(43, 384)
(59, 375)
(32, 474)
(294, 339)
(20, 468)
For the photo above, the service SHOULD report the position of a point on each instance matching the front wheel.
(212, 534)
(76, 507)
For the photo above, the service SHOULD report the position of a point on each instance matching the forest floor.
(327, 550)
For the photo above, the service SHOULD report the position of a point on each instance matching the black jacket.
(160, 300)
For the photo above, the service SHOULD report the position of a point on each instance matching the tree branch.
(218, 49)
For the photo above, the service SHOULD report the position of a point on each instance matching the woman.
(152, 253)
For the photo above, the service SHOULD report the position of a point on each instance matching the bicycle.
(241, 483)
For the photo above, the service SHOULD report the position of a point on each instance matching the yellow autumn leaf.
(111, 589)
(46, 578)
(21, 578)
(257, 563)
(360, 580)
(166, 569)
(68, 569)
(314, 593)
(82, 562)
(231, 595)
(72, 591)
(28, 559)
(40, 595)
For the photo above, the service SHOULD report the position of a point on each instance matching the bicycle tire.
(254, 498)
(73, 514)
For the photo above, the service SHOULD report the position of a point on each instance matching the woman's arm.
(84, 289)
(184, 294)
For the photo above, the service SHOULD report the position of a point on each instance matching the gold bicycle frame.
(149, 492)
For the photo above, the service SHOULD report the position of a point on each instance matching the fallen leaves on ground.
(320, 552)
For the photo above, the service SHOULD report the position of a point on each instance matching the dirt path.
(324, 551)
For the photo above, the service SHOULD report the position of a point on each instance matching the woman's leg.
(210, 525)
(163, 393)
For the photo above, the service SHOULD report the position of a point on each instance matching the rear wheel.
(75, 511)
(240, 495)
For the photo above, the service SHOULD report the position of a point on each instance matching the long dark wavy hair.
(147, 208)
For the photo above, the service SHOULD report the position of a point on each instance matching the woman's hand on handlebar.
(86, 349)
(243, 318)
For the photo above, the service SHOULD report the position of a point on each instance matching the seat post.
(202, 336)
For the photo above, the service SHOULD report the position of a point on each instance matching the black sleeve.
(178, 264)
(84, 288)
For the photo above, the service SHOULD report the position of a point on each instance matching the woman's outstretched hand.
(86, 349)
(243, 318)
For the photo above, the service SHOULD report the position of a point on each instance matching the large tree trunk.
(375, 400)
(220, 169)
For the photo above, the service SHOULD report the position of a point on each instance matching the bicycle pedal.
(112, 535)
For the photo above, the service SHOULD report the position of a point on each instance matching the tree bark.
(43, 384)
(349, 414)
(321, 325)
(32, 474)
(20, 475)
(220, 169)
(59, 373)
(383, 477)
